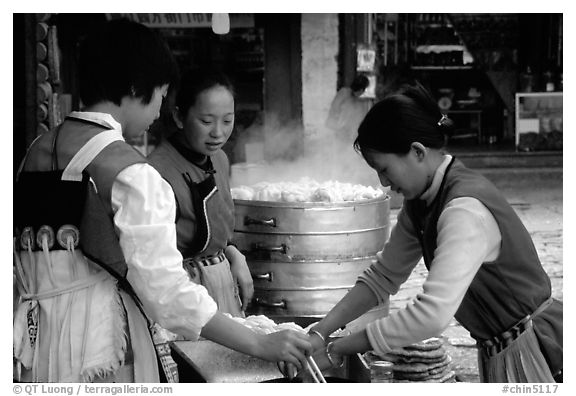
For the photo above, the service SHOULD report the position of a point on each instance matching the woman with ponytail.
(482, 266)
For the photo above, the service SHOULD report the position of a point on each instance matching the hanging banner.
(177, 20)
(365, 58)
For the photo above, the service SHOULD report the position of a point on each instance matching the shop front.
(498, 76)
(489, 72)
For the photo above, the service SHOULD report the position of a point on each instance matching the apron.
(72, 323)
(210, 270)
(515, 356)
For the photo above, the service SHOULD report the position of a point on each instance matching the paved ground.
(538, 202)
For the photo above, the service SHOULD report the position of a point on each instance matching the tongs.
(314, 371)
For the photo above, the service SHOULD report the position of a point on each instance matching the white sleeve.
(468, 236)
(144, 212)
(395, 262)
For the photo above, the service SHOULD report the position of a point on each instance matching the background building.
(287, 69)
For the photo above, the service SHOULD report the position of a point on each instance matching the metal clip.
(27, 238)
(444, 118)
(65, 232)
(45, 232)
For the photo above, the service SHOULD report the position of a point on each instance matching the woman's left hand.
(321, 361)
(241, 274)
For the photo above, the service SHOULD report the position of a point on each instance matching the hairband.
(444, 117)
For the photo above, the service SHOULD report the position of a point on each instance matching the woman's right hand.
(286, 345)
(290, 370)
(318, 343)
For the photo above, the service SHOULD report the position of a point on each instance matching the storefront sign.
(185, 20)
(366, 58)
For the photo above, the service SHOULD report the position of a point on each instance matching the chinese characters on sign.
(186, 20)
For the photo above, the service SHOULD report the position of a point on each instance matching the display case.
(539, 121)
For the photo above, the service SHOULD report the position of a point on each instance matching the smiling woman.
(193, 162)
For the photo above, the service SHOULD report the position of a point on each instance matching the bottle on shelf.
(548, 79)
(527, 80)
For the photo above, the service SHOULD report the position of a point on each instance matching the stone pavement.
(538, 202)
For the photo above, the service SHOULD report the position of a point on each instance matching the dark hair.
(360, 83)
(401, 118)
(194, 82)
(121, 58)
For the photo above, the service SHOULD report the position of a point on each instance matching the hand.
(318, 349)
(288, 370)
(322, 363)
(287, 346)
(318, 344)
(241, 274)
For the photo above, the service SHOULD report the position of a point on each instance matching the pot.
(304, 257)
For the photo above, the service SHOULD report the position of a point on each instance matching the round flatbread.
(420, 367)
(426, 345)
(438, 370)
(418, 359)
(412, 353)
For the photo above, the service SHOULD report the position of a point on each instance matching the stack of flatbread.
(425, 361)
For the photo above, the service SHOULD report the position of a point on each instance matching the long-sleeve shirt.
(468, 236)
(144, 212)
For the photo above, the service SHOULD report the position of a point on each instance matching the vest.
(506, 290)
(74, 204)
(205, 219)
(79, 203)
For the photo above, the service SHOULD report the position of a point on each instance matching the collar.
(103, 119)
(200, 160)
(430, 194)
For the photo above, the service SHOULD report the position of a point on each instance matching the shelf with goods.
(491, 38)
(390, 36)
(468, 124)
(539, 121)
(445, 62)
(436, 44)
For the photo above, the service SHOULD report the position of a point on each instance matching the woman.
(193, 162)
(347, 109)
(483, 267)
(95, 259)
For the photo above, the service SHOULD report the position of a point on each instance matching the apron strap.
(88, 152)
(542, 308)
(71, 287)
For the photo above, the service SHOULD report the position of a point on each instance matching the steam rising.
(290, 153)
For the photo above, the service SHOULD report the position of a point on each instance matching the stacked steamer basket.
(426, 361)
(305, 256)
